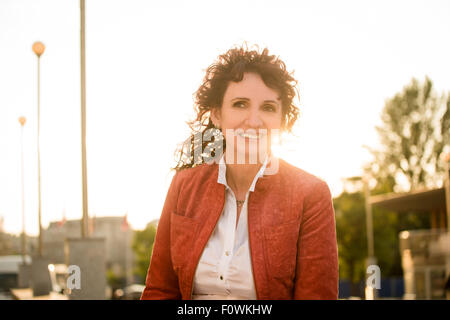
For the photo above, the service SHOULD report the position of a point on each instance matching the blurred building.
(423, 261)
(429, 202)
(423, 252)
(118, 237)
(11, 244)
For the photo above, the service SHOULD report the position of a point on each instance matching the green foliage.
(143, 246)
(114, 281)
(351, 235)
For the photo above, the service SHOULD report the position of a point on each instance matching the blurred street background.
(94, 99)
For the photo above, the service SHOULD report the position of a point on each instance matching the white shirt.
(225, 269)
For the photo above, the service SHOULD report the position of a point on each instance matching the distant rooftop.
(421, 200)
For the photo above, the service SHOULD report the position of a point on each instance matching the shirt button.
(227, 253)
(221, 277)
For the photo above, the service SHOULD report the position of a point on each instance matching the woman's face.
(249, 114)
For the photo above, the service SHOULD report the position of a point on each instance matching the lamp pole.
(369, 219)
(446, 159)
(38, 49)
(371, 292)
(22, 121)
(370, 289)
(85, 219)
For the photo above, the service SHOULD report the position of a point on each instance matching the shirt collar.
(222, 178)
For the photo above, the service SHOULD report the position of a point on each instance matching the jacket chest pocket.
(182, 234)
(281, 250)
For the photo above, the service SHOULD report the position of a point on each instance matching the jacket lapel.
(256, 236)
(210, 211)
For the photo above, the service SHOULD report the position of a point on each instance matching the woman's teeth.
(248, 135)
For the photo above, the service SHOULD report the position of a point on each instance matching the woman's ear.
(283, 127)
(215, 117)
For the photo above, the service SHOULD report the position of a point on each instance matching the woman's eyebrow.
(240, 98)
(247, 99)
(271, 101)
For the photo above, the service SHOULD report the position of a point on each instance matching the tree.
(415, 130)
(143, 246)
(351, 237)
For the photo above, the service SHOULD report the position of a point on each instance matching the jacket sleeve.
(317, 275)
(162, 282)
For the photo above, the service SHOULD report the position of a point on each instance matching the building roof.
(420, 200)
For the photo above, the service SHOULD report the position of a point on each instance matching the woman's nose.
(253, 120)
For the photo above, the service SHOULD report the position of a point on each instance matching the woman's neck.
(240, 176)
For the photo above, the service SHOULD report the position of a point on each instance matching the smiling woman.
(247, 225)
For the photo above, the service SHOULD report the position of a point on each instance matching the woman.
(236, 228)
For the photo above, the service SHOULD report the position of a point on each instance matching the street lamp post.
(370, 292)
(446, 159)
(22, 121)
(38, 49)
(369, 219)
(371, 262)
(85, 218)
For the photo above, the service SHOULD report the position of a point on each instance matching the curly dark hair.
(231, 66)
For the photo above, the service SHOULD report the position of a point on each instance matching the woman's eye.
(270, 108)
(239, 104)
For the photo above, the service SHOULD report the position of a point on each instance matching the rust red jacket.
(291, 226)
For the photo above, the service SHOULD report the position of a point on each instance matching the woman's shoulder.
(308, 188)
(198, 173)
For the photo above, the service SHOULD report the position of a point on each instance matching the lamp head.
(38, 48)
(22, 121)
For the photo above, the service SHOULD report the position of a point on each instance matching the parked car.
(9, 272)
(131, 292)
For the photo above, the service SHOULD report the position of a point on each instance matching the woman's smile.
(250, 135)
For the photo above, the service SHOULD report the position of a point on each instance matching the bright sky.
(145, 59)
